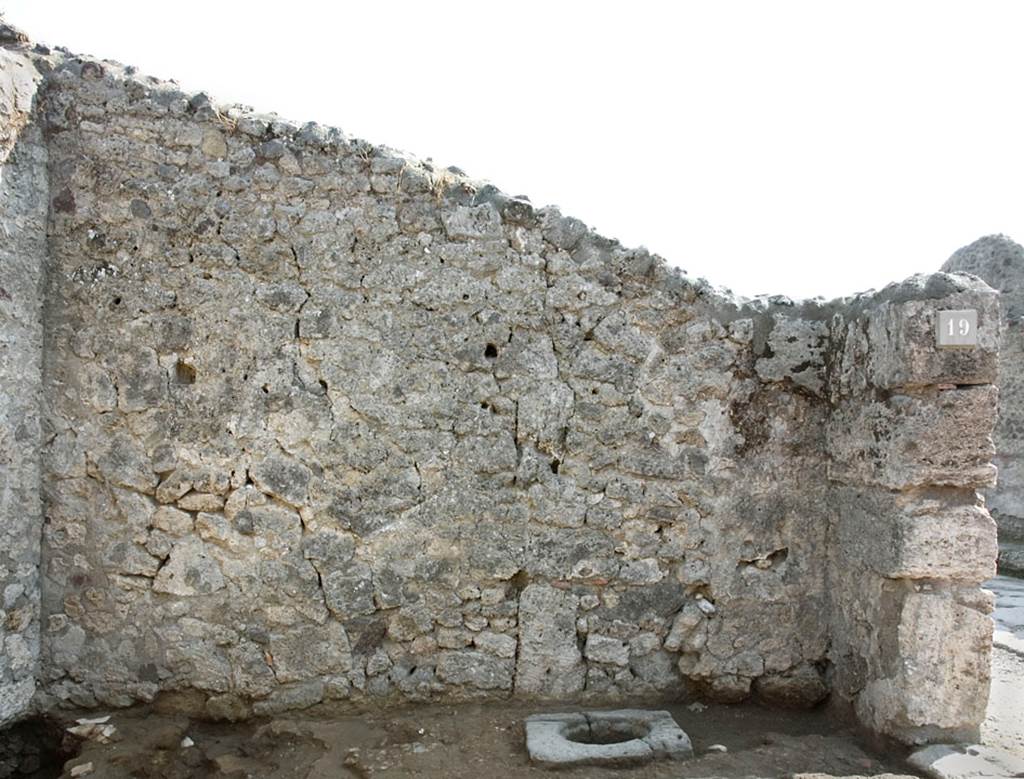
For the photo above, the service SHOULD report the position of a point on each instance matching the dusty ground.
(1004, 725)
(1004, 722)
(466, 741)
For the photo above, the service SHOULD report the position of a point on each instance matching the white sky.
(802, 148)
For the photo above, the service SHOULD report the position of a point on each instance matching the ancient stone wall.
(325, 424)
(1000, 262)
(23, 208)
(335, 425)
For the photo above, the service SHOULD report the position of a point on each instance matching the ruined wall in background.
(1000, 262)
(23, 207)
(327, 425)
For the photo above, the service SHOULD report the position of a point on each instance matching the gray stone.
(348, 590)
(496, 644)
(291, 698)
(624, 737)
(549, 663)
(282, 478)
(475, 669)
(606, 649)
(190, 570)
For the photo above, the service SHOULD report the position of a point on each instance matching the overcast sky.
(802, 148)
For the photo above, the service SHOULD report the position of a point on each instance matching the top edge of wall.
(461, 189)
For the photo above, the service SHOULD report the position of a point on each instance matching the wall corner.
(910, 445)
(23, 214)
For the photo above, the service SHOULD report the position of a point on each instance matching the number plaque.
(957, 328)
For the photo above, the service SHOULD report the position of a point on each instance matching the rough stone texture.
(549, 660)
(614, 738)
(1000, 262)
(23, 208)
(325, 424)
(911, 539)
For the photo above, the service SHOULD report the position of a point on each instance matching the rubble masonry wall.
(325, 424)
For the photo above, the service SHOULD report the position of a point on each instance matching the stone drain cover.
(624, 737)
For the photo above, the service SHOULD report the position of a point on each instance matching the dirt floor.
(475, 741)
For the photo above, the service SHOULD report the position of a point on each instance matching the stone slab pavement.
(1009, 613)
(1004, 722)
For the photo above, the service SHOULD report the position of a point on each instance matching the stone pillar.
(1000, 263)
(911, 540)
(23, 211)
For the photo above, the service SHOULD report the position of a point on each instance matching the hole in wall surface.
(491, 352)
(184, 373)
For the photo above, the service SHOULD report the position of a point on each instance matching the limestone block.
(123, 461)
(291, 698)
(479, 222)
(190, 570)
(797, 351)
(606, 649)
(917, 541)
(938, 671)
(891, 342)
(549, 662)
(496, 644)
(282, 478)
(475, 669)
(544, 413)
(141, 382)
(172, 521)
(348, 590)
(321, 650)
(689, 630)
(904, 351)
(939, 439)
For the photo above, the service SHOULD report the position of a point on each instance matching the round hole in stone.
(606, 732)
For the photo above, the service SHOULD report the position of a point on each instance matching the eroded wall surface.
(325, 424)
(910, 444)
(1000, 262)
(331, 425)
(23, 208)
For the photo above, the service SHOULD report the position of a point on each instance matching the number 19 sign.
(957, 328)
